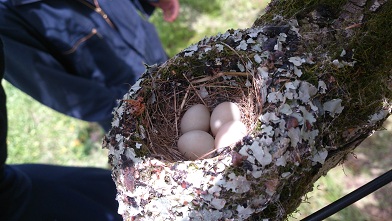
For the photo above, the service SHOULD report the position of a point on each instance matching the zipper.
(98, 10)
(80, 41)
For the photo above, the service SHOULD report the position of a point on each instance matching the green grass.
(38, 134)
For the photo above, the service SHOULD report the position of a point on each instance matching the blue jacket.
(36, 192)
(74, 58)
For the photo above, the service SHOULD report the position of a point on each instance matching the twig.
(220, 74)
(184, 99)
(194, 89)
(205, 155)
(175, 111)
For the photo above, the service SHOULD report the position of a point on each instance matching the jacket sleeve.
(14, 185)
(31, 67)
(49, 83)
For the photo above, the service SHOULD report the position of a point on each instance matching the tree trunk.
(318, 77)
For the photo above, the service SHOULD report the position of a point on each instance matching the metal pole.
(351, 197)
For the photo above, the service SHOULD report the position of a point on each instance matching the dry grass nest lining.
(166, 101)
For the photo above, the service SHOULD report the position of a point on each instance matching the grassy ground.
(38, 134)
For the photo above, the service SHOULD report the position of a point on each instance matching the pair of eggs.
(224, 122)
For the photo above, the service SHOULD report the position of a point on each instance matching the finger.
(172, 11)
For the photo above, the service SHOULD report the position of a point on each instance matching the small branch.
(184, 99)
(220, 74)
(175, 112)
(190, 83)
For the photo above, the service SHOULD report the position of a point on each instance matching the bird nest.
(161, 103)
(146, 126)
(248, 67)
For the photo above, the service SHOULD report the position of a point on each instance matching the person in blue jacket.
(79, 57)
(36, 192)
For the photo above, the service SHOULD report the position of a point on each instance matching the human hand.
(170, 9)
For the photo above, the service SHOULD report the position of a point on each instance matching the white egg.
(196, 117)
(223, 113)
(195, 144)
(230, 133)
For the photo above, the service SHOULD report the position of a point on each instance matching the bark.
(320, 72)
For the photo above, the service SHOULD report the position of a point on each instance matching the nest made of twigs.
(166, 99)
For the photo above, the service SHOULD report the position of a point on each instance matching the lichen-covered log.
(312, 79)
